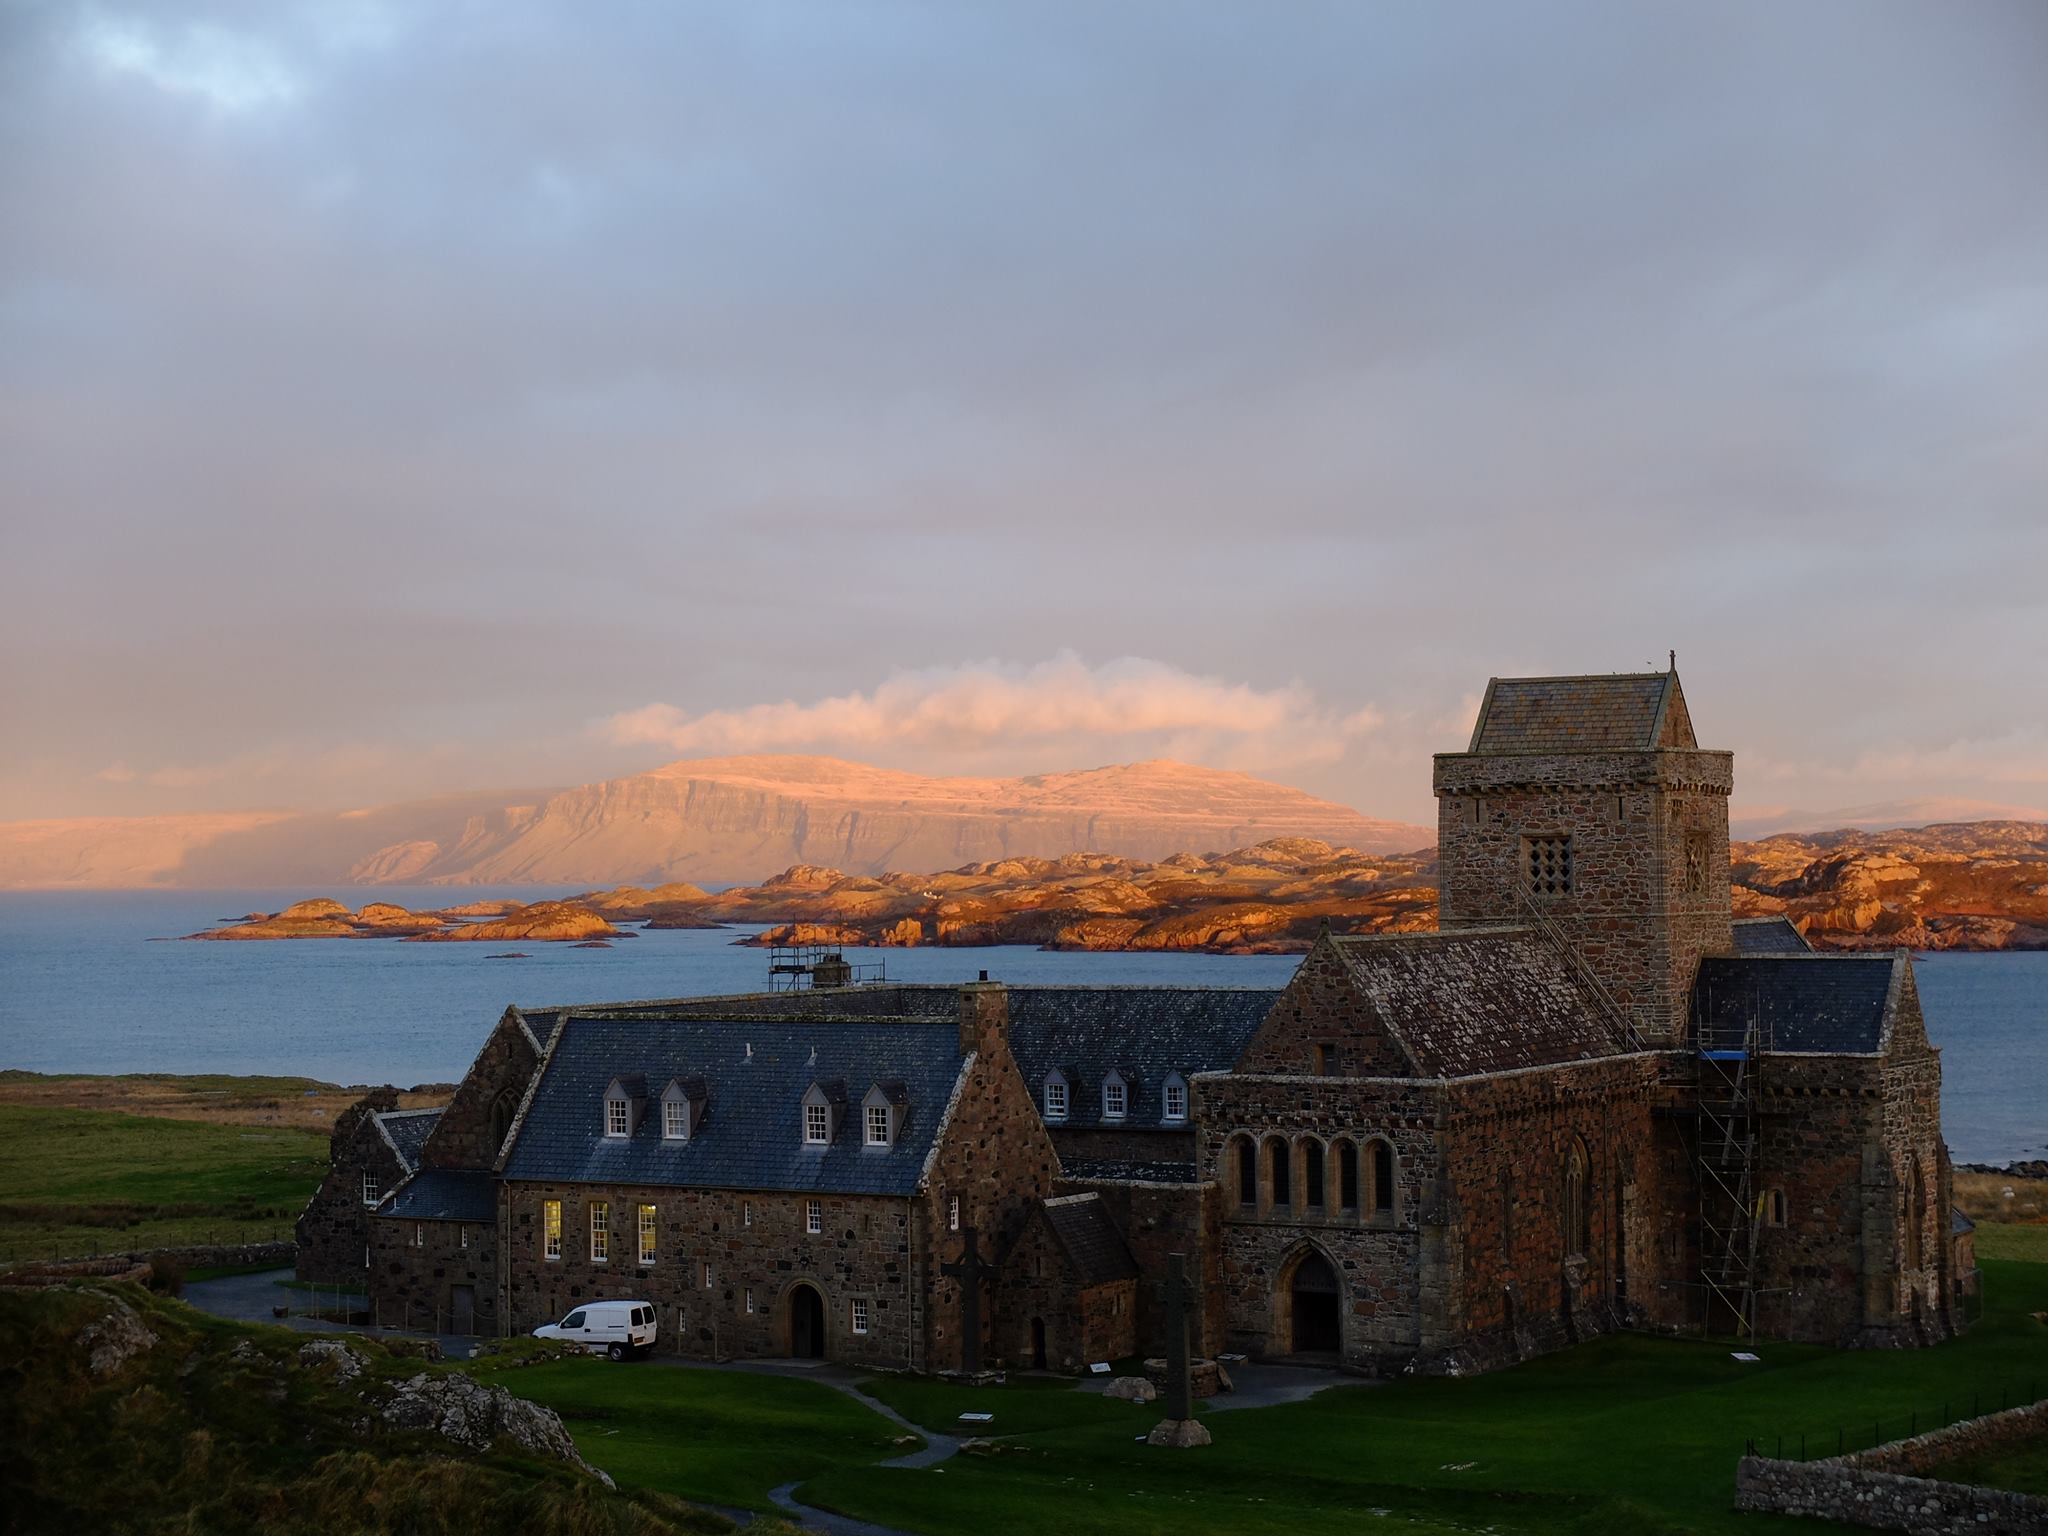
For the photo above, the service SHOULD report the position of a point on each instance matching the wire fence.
(1883, 1429)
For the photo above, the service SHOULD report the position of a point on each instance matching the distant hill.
(712, 821)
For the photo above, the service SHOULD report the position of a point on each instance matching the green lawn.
(1626, 1434)
(2012, 1240)
(715, 1437)
(1026, 1405)
(82, 1181)
(2021, 1469)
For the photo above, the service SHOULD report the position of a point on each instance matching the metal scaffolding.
(1730, 1054)
(794, 967)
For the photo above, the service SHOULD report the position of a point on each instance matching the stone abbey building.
(1590, 1100)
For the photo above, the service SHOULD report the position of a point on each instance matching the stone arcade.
(1590, 1100)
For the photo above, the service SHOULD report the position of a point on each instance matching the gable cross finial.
(1674, 658)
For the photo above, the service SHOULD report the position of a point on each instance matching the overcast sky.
(412, 397)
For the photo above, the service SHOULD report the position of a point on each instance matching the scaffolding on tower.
(1731, 1047)
(798, 967)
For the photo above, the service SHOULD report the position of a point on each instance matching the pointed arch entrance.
(1308, 1307)
(806, 1323)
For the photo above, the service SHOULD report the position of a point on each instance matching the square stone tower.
(1587, 802)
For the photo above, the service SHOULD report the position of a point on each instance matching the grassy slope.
(2003, 1240)
(217, 1428)
(2022, 1469)
(719, 1437)
(83, 1181)
(1625, 1434)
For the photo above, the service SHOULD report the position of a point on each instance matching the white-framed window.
(366, 1256)
(675, 1119)
(814, 1215)
(750, 1298)
(1175, 1099)
(878, 1125)
(1056, 1097)
(419, 1234)
(746, 1213)
(648, 1230)
(817, 1125)
(462, 1234)
(551, 1229)
(1116, 1097)
(600, 1231)
(952, 1213)
(860, 1315)
(618, 1117)
(373, 1187)
(708, 1276)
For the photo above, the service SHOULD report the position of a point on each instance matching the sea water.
(84, 988)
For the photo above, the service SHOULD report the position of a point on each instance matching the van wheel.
(616, 1352)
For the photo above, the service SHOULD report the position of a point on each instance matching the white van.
(614, 1328)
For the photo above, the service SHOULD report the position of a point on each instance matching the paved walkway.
(255, 1298)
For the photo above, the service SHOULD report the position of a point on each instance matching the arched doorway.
(1313, 1296)
(806, 1324)
(1038, 1343)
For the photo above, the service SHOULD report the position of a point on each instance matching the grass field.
(2020, 1469)
(1626, 1434)
(83, 1181)
(2002, 1240)
(716, 1437)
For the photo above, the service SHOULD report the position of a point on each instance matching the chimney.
(984, 1015)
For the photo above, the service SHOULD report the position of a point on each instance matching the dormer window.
(1116, 1097)
(625, 1099)
(882, 1113)
(823, 1103)
(1174, 1098)
(1056, 1096)
(682, 1108)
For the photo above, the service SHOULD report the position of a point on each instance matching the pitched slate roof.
(751, 1136)
(1612, 713)
(1476, 1000)
(445, 1194)
(407, 1130)
(1829, 1004)
(1091, 1241)
(1146, 1033)
(1769, 936)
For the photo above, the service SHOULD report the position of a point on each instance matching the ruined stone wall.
(1520, 1281)
(333, 1231)
(1650, 876)
(759, 1251)
(1158, 1220)
(416, 1267)
(472, 1127)
(1392, 1297)
(1320, 1006)
(1924, 1287)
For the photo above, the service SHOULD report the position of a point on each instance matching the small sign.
(1099, 1368)
(1745, 1357)
(977, 1418)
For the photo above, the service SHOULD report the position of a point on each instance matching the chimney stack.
(984, 1015)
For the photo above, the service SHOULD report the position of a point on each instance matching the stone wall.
(472, 1128)
(1650, 875)
(1321, 1006)
(1888, 1487)
(1079, 1324)
(1158, 1220)
(418, 1270)
(1132, 1144)
(333, 1231)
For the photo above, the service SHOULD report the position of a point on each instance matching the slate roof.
(1146, 1033)
(407, 1130)
(1613, 713)
(1090, 1239)
(751, 1135)
(1477, 1000)
(445, 1194)
(1769, 936)
(1826, 1004)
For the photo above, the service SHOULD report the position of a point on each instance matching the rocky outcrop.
(477, 1417)
(114, 1338)
(544, 921)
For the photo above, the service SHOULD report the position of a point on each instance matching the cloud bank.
(970, 714)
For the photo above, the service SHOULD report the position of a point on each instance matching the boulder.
(342, 1357)
(114, 1338)
(1132, 1389)
(476, 1416)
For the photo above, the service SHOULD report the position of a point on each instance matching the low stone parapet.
(1885, 1487)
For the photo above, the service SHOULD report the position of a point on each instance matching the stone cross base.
(1179, 1433)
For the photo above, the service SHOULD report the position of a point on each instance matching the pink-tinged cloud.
(1130, 707)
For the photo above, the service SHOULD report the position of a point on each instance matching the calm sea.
(82, 989)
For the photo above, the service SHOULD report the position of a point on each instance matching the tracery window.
(1547, 865)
